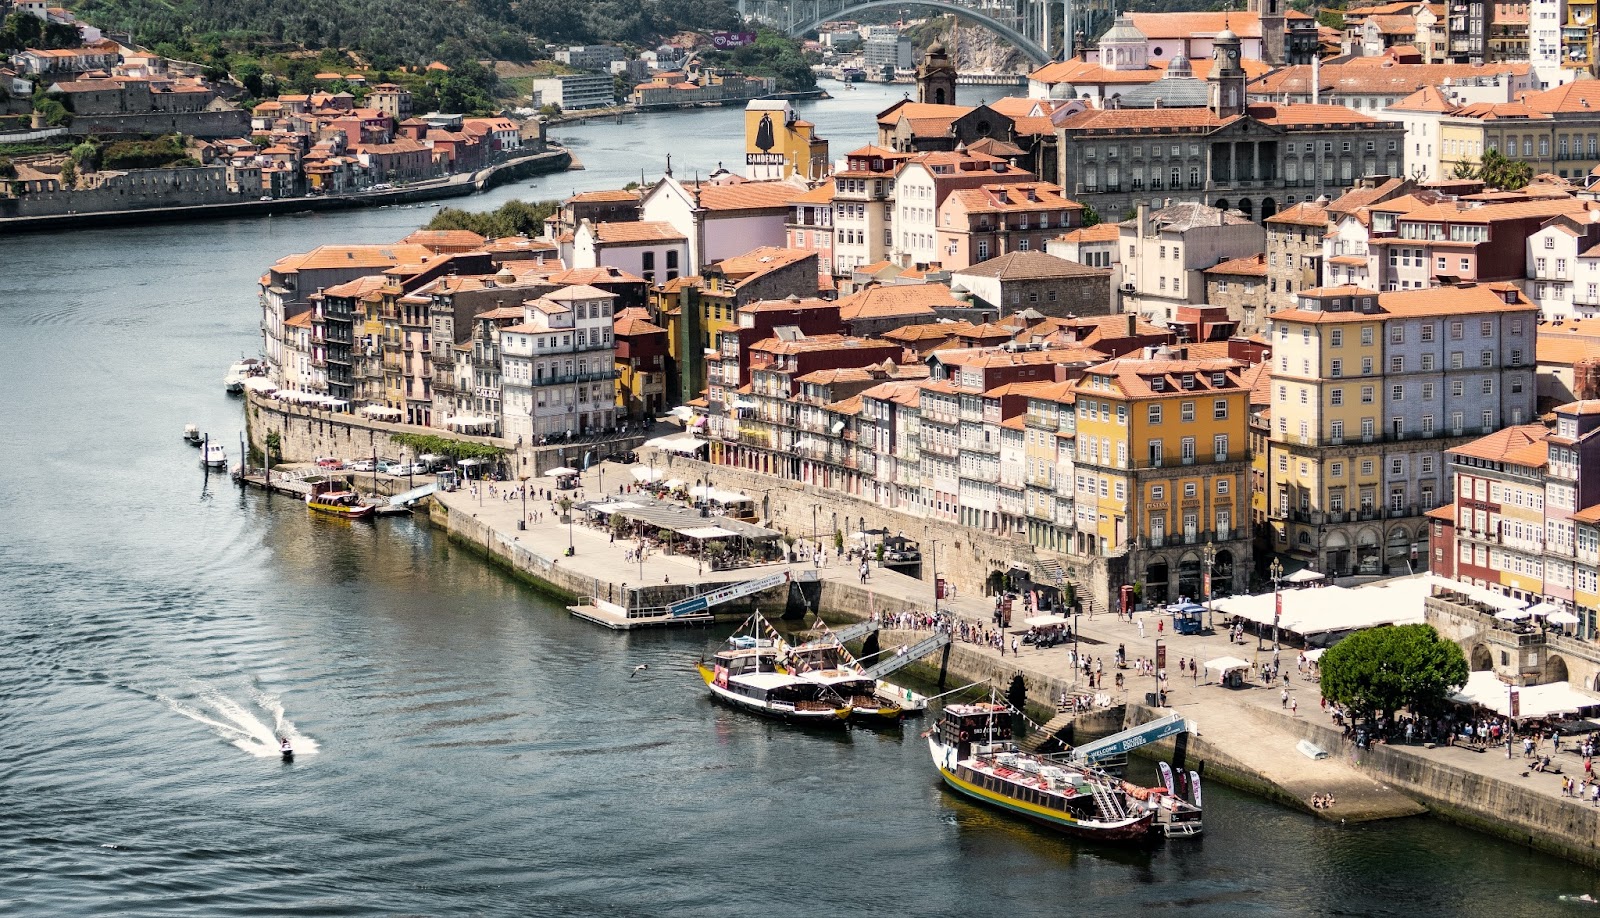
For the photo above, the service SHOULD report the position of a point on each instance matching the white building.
(723, 219)
(1563, 267)
(1164, 252)
(575, 90)
(558, 369)
(655, 251)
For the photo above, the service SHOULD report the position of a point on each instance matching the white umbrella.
(560, 471)
(1512, 615)
(1562, 617)
(1541, 610)
(1305, 575)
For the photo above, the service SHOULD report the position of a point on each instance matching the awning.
(1485, 689)
(380, 411)
(718, 495)
(1226, 664)
(614, 506)
(686, 446)
(260, 384)
(644, 474)
(1333, 609)
(699, 421)
(1562, 617)
(1304, 575)
(1540, 610)
(744, 403)
(1313, 656)
(1512, 615)
(707, 532)
(1045, 621)
(468, 420)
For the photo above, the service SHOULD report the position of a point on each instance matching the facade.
(977, 224)
(863, 207)
(558, 367)
(923, 185)
(1162, 470)
(1294, 252)
(1038, 281)
(1368, 392)
(641, 365)
(655, 251)
(884, 54)
(1164, 254)
(573, 91)
(811, 226)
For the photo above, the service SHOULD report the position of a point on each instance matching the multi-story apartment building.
(1368, 391)
(921, 188)
(1467, 31)
(1563, 267)
(863, 207)
(1165, 252)
(1294, 252)
(977, 224)
(1526, 516)
(810, 226)
(558, 367)
(1047, 430)
(1162, 470)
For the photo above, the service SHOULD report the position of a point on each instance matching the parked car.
(627, 458)
(412, 468)
(362, 465)
(329, 463)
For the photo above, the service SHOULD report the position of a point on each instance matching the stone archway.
(1189, 576)
(1397, 551)
(994, 583)
(1222, 573)
(1555, 670)
(1157, 582)
(1481, 660)
(1269, 207)
(1337, 557)
(1369, 553)
(1222, 204)
(1246, 208)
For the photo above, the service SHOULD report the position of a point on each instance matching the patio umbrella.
(1512, 615)
(1562, 617)
(1541, 610)
(560, 471)
(1305, 575)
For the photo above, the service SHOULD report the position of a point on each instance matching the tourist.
(1294, 708)
(1141, 628)
(1285, 700)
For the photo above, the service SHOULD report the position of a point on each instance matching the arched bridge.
(1026, 24)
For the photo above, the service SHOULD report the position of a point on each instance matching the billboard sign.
(723, 41)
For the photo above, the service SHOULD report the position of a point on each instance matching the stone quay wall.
(965, 557)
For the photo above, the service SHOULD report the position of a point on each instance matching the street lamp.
(1208, 557)
(523, 522)
(1275, 571)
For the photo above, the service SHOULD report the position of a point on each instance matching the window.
(1427, 363)
(1222, 485)
(1189, 490)
(1219, 410)
(1336, 367)
(1336, 470)
(1366, 366)
(1366, 468)
(1488, 385)
(1366, 334)
(1157, 492)
(1455, 330)
(1220, 445)
(1155, 414)
(1336, 430)
(1397, 393)
(1366, 395)
(1397, 364)
(1186, 412)
(1187, 448)
(1486, 359)
(1367, 427)
(1337, 337)
(1336, 397)
(1397, 334)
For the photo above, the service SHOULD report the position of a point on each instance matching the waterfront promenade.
(1248, 733)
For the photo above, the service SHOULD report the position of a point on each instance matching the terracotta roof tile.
(1253, 265)
(1496, 447)
(633, 232)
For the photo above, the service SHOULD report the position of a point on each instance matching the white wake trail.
(255, 732)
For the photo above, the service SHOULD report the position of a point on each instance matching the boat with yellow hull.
(971, 748)
(326, 499)
(826, 662)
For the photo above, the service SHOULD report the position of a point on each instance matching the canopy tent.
(381, 411)
(1512, 615)
(1485, 689)
(708, 532)
(641, 474)
(1045, 621)
(1334, 609)
(1541, 609)
(560, 471)
(1476, 593)
(472, 462)
(611, 507)
(260, 384)
(1316, 654)
(1304, 575)
(686, 446)
(717, 495)
(682, 413)
(672, 484)
(468, 420)
(1224, 665)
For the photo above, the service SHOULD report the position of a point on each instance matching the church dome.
(1179, 67)
(1123, 31)
(1226, 36)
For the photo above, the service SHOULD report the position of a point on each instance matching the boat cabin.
(964, 724)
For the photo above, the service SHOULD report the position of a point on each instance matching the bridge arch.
(1030, 48)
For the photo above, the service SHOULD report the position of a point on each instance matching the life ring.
(965, 735)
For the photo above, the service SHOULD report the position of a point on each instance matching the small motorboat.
(213, 456)
(286, 750)
(191, 435)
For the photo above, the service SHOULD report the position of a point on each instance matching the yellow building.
(1162, 471)
(1577, 35)
(778, 144)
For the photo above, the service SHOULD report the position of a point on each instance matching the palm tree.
(1499, 171)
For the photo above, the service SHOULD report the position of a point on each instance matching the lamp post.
(1275, 570)
(523, 523)
(1208, 557)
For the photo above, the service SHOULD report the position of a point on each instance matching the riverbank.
(620, 112)
(1246, 738)
(454, 186)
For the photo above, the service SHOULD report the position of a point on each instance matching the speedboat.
(286, 750)
(214, 456)
(239, 372)
(191, 435)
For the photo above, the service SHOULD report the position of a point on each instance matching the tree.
(618, 524)
(1381, 670)
(1091, 217)
(1464, 170)
(1498, 171)
(69, 174)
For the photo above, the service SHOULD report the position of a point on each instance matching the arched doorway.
(994, 583)
(1268, 208)
(1337, 558)
(1555, 670)
(1222, 573)
(1482, 660)
(1222, 203)
(1368, 552)
(1245, 208)
(1189, 576)
(1397, 555)
(1156, 577)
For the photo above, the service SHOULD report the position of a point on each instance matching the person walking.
(1141, 628)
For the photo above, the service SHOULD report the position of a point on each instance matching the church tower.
(936, 77)
(1227, 77)
(1273, 34)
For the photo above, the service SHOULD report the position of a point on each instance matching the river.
(466, 747)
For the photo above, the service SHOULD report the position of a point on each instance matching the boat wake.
(253, 728)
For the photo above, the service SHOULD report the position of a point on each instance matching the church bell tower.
(936, 77)
(1227, 76)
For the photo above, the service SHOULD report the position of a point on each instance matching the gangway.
(697, 604)
(1118, 744)
(415, 494)
(858, 630)
(905, 656)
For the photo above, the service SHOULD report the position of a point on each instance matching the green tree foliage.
(53, 111)
(424, 444)
(1498, 171)
(772, 55)
(167, 150)
(1091, 217)
(69, 174)
(1381, 670)
(8, 170)
(23, 30)
(513, 218)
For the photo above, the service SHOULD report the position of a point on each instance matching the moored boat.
(330, 498)
(972, 748)
(233, 381)
(213, 456)
(746, 676)
(192, 435)
(826, 662)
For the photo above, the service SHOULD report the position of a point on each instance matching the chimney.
(1316, 78)
(1144, 217)
(1133, 325)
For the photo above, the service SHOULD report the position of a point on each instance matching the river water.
(466, 747)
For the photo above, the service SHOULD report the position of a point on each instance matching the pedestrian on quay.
(1294, 708)
(1141, 628)
(1285, 701)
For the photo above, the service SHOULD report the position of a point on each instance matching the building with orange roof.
(725, 218)
(558, 366)
(924, 127)
(1034, 279)
(1162, 470)
(642, 361)
(1095, 246)
(875, 310)
(1294, 252)
(921, 189)
(1569, 360)
(1526, 517)
(1164, 254)
(978, 224)
(864, 194)
(1235, 301)
(810, 226)
(654, 250)
(1369, 390)
(445, 241)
